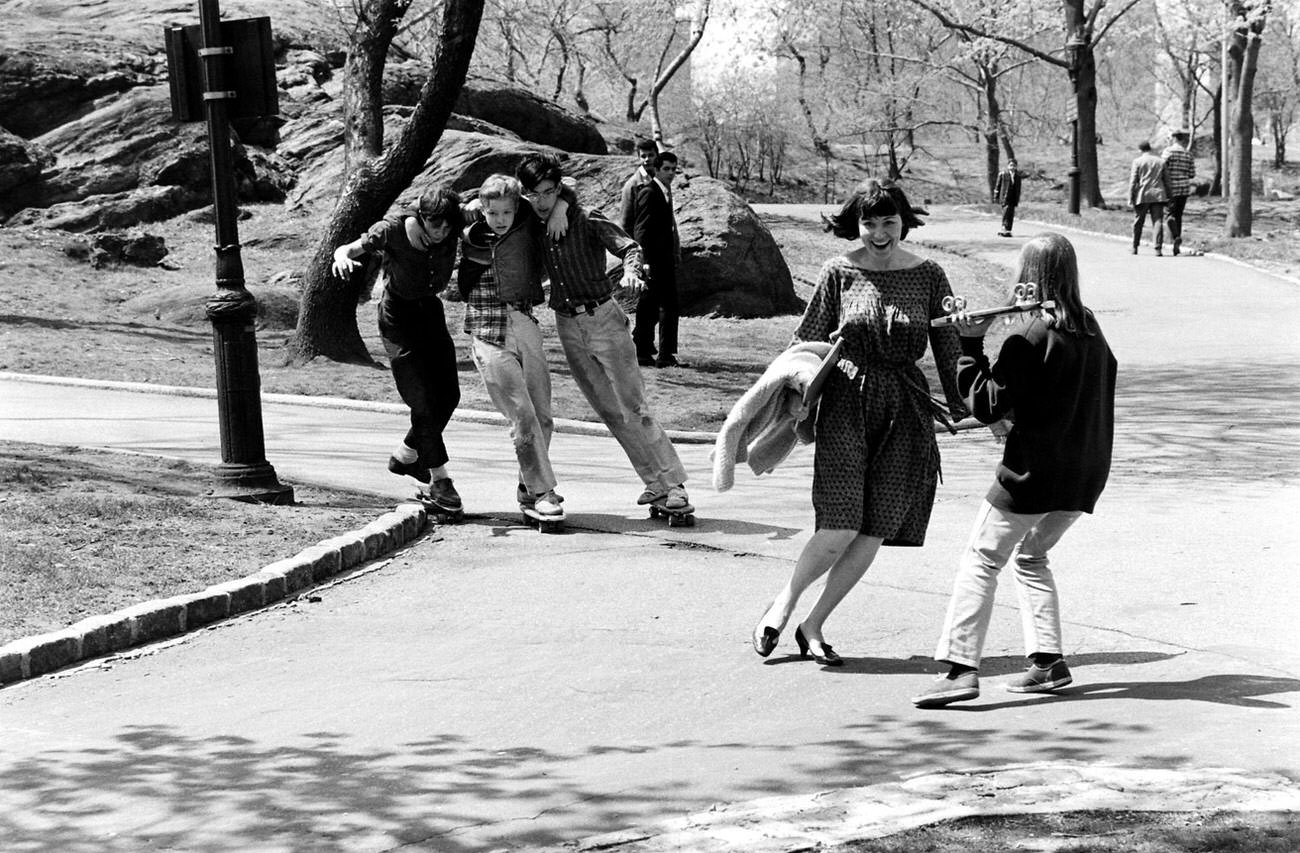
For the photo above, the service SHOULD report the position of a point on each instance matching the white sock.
(405, 454)
(438, 473)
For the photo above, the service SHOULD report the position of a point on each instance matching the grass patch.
(1097, 832)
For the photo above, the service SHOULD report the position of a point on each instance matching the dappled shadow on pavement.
(1208, 422)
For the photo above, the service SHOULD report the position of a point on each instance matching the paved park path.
(489, 688)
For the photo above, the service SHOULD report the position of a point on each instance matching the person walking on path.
(646, 151)
(1180, 171)
(501, 281)
(654, 228)
(1006, 192)
(1055, 378)
(594, 330)
(876, 461)
(417, 250)
(1147, 195)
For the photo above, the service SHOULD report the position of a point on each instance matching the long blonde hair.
(1048, 260)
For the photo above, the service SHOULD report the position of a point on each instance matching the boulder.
(532, 118)
(135, 248)
(41, 90)
(21, 162)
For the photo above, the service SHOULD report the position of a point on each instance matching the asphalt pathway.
(491, 688)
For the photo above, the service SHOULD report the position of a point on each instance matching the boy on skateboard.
(594, 331)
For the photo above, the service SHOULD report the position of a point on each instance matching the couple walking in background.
(1159, 180)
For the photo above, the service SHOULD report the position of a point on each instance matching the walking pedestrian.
(1180, 170)
(1055, 377)
(1147, 195)
(1006, 192)
(594, 330)
(416, 249)
(876, 460)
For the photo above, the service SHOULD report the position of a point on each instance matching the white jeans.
(998, 537)
(602, 357)
(519, 384)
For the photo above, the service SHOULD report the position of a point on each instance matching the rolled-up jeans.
(519, 384)
(998, 537)
(602, 358)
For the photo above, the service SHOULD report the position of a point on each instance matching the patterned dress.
(876, 460)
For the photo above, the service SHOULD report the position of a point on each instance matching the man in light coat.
(1147, 195)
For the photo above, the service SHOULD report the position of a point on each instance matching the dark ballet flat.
(827, 657)
(764, 643)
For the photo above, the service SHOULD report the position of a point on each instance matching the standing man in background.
(1146, 193)
(1180, 169)
(654, 228)
(646, 151)
(1006, 192)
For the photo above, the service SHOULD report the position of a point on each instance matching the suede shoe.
(1038, 679)
(949, 688)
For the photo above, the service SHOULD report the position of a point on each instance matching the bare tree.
(1083, 31)
(1247, 21)
(377, 174)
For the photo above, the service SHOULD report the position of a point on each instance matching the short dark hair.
(535, 168)
(873, 197)
(664, 157)
(648, 145)
(440, 203)
(1144, 146)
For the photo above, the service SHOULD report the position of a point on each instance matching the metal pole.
(1225, 100)
(1074, 163)
(244, 473)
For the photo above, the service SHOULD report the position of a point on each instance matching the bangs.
(878, 203)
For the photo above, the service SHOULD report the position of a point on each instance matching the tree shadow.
(989, 666)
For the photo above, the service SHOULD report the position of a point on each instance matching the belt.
(571, 310)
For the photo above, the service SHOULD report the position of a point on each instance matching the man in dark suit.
(654, 227)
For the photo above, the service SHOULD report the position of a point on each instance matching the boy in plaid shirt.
(500, 279)
(1180, 169)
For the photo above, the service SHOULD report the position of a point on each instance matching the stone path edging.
(782, 824)
(169, 617)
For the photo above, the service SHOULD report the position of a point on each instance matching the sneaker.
(548, 504)
(949, 688)
(1036, 679)
(652, 494)
(408, 469)
(444, 494)
(677, 497)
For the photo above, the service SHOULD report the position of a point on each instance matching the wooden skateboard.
(439, 513)
(677, 517)
(543, 523)
(1026, 300)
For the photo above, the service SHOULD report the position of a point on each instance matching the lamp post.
(1074, 56)
(244, 472)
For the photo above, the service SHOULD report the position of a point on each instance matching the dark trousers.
(1174, 216)
(423, 360)
(1156, 210)
(1008, 217)
(658, 305)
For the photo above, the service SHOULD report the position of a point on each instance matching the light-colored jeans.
(998, 537)
(602, 357)
(519, 385)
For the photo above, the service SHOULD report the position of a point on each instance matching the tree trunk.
(1243, 61)
(363, 104)
(327, 319)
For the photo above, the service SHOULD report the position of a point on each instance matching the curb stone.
(97, 636)
(801, 823)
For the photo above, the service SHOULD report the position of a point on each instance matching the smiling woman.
(877, 407)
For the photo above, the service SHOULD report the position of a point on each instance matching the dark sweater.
(1060, 390)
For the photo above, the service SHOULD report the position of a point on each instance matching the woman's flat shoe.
(766, 641)
(827, 656)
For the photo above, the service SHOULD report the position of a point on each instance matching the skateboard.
(543, 523)
(439, 513)
(683, 517)
(1026, 300)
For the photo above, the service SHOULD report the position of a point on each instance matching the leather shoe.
(827, 657)
(766, 641)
